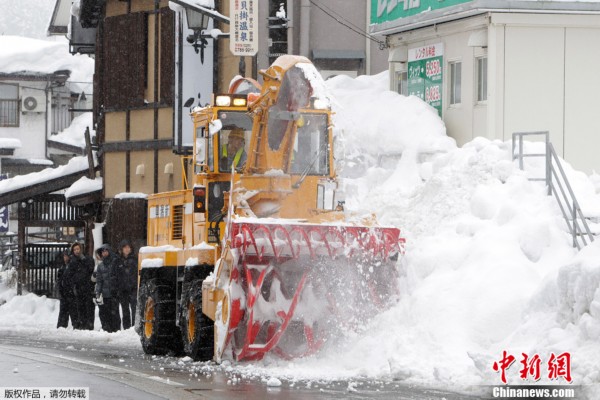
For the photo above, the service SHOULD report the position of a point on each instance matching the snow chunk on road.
(273, 382)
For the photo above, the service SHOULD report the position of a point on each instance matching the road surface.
(117, 372)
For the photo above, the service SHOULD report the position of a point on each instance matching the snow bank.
(30, 314)
(372, 121)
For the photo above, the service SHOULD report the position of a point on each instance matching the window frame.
(452, 86)
(481, 87)
(17, 110)
(402, 82)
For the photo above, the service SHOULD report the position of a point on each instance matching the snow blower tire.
(156, 312)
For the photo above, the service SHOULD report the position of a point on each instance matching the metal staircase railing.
(557, 184)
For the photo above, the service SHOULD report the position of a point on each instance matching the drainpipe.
(48, 93)
(305, 28)
(367, 41)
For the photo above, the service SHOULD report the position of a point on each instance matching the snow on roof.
(8, 143)
(39, 161)
(84, 185)
(19, 54)
(127, 195)
(76, 164)
(74, 133)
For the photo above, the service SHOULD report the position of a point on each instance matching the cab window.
(311, 148)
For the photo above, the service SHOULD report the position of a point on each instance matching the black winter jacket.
(65, 287)
(128, 273)
(79, 274)
(107, 280)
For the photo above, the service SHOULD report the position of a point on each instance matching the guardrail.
(557, 184)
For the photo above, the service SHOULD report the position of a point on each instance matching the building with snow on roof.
(41, 85)
(492, 68)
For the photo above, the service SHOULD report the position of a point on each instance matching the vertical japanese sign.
(3, 212)
(425, 76)
(244, 27)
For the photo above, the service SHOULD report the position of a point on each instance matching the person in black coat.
(107, 288)
(67, 308)
(128, 279)
(79, 275)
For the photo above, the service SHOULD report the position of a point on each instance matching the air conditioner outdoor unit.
(33, 104)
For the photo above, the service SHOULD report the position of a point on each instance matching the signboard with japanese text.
(244, 27)
(390, 10)
(3, 212)
(425, 74)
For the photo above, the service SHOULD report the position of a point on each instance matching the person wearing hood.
(128, 279)
(79, 275)
(107, 283)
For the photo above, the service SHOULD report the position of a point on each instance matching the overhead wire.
(343, 21)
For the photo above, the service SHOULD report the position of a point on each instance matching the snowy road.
(118, 372)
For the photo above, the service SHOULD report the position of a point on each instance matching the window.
(311, 148)
(402, 82)
(482, 79)
(455, 80)
(233, 149)
(9, 105)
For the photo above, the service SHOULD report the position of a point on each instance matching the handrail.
(567, 202)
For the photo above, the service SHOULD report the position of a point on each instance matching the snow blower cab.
(256, 255)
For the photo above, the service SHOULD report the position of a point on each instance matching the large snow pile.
(18, 54)
(488, 267)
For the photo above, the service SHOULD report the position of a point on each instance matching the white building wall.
(468, 119)
(582, 105)
(32, 125)
(545, 65)
(541, 77)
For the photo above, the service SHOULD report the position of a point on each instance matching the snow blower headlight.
(223, 101)
(239, 102)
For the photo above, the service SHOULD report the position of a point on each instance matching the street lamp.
(198, 22)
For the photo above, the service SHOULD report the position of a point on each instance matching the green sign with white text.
(425, 74)
(390, 10)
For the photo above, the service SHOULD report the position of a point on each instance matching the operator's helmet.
(237, 133)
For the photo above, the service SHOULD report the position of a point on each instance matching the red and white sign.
(428, 51)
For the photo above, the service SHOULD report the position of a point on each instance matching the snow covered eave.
(61, 16)
(58, 76)
(23, 187)
(85, 191)
(7, 152)
(65, 147)
(477, 7)
(85, 198)
(193, 5)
